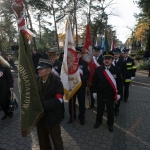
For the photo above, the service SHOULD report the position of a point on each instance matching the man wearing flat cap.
(51, 92)
(120, 64)
(80, 94)
(130, 70)
(106, 85)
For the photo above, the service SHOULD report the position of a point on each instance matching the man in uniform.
(56, 69)
(120, 64)
(106, 85)
(97, 59)
(130, 70)
(97, 56)
(56, 64)
(84, 74)
(51, 92)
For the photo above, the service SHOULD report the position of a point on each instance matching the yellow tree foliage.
(141, 31)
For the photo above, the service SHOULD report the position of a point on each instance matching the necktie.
(115, 62)
(125, 59)
(96, 58)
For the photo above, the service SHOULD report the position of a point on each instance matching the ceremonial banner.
(70, 75)
(31, 108)
(113, 44)
(88, 53)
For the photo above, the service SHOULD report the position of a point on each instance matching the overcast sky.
(126, 10)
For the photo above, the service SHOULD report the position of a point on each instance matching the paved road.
(132, 126)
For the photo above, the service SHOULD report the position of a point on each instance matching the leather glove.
(132, 78)
(95, 96)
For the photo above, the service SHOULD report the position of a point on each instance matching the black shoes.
(70, 121)
(82, 122)
(10, 114)
(97, 124)
(111, 128)
(4, 117)
(116, 113)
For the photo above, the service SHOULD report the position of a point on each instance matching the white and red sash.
(80, 71)
(55, 72)
(95, 61)
(112, 82)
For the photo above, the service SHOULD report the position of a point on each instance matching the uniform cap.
(116, 50)
(108, 54)
(125, 50)
(44, 63)
(96, 48)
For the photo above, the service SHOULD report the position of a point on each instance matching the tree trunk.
(1, 49)
(55, 27)
(75, 23)
(39, 17)
(34, 41)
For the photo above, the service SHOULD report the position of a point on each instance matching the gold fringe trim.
(67, 96)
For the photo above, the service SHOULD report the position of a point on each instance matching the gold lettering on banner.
(25, 77)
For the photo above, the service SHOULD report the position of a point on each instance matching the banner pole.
(72, 110)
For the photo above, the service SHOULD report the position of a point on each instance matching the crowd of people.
(109, 86)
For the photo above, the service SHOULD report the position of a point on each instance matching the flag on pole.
(100, 42)
(88, 53)
(70, 75)
(113, 44)
(106, 42)
(31, 108)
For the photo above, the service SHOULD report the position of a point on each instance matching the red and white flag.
(88, 54)
(113, 44)
(18, 8)
(70, 76)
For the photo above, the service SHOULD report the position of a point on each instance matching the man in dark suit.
(97, 56)
(84, 74)
(120, 64)
(130, 70)
(98, 59)
(106, 85)
(56, 64)
(51, 92)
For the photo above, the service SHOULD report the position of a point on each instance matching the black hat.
(108, 54)
(78, 50)
(97, 48)
(116, 50)
(44, 63)
(125, 50)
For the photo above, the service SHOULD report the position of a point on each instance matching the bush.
(142, 65)
(140, 52)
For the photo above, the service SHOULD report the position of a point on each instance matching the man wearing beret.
(120, 64)
(130, 70)
(106, 85)
(51, 93)
(84, 74)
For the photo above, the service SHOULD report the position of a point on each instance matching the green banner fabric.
(31, 107)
